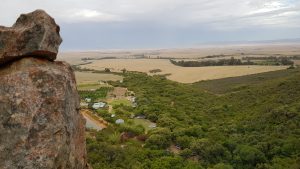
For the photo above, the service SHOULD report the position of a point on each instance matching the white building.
(98, 105)
(88, 100)
(120, 121)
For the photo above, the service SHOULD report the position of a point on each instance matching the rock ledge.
(34, 34)
(40, 123)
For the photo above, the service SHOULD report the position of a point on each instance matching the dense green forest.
(244, 125)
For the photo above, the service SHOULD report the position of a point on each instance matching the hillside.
(231, 84)
(256, 126)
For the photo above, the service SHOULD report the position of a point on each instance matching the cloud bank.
(162, 23)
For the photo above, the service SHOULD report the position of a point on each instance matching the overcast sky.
(115, 24)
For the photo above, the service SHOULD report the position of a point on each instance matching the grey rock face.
(34, 34)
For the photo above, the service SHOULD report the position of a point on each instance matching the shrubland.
(256, 126)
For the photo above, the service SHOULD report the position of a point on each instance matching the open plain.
(177, 73)
(150, 59)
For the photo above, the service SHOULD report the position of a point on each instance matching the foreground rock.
(34, 34)
(40, 125)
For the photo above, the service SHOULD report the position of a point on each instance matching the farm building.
(98, 105)
(88, 100)
(120, 121)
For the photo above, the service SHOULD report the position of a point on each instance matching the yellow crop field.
(179, 74)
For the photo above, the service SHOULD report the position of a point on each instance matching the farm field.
(92, 86)
(92, 78)
(179, 74)
(196, 52)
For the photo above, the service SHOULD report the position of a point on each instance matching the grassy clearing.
(125, 102)
(144, 122)
(90, 86)
(96, 95)
(94, 78)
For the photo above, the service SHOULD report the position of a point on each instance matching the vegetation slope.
(253, 126)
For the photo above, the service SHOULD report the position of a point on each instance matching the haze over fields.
(262, 48)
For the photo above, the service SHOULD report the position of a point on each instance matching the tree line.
(232, 62)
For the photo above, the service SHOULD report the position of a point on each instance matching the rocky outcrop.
(34, 34)
(40, 123)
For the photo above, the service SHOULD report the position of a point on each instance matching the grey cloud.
(121, 23)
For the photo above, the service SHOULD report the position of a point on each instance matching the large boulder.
(40, 123)
(35, 34)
